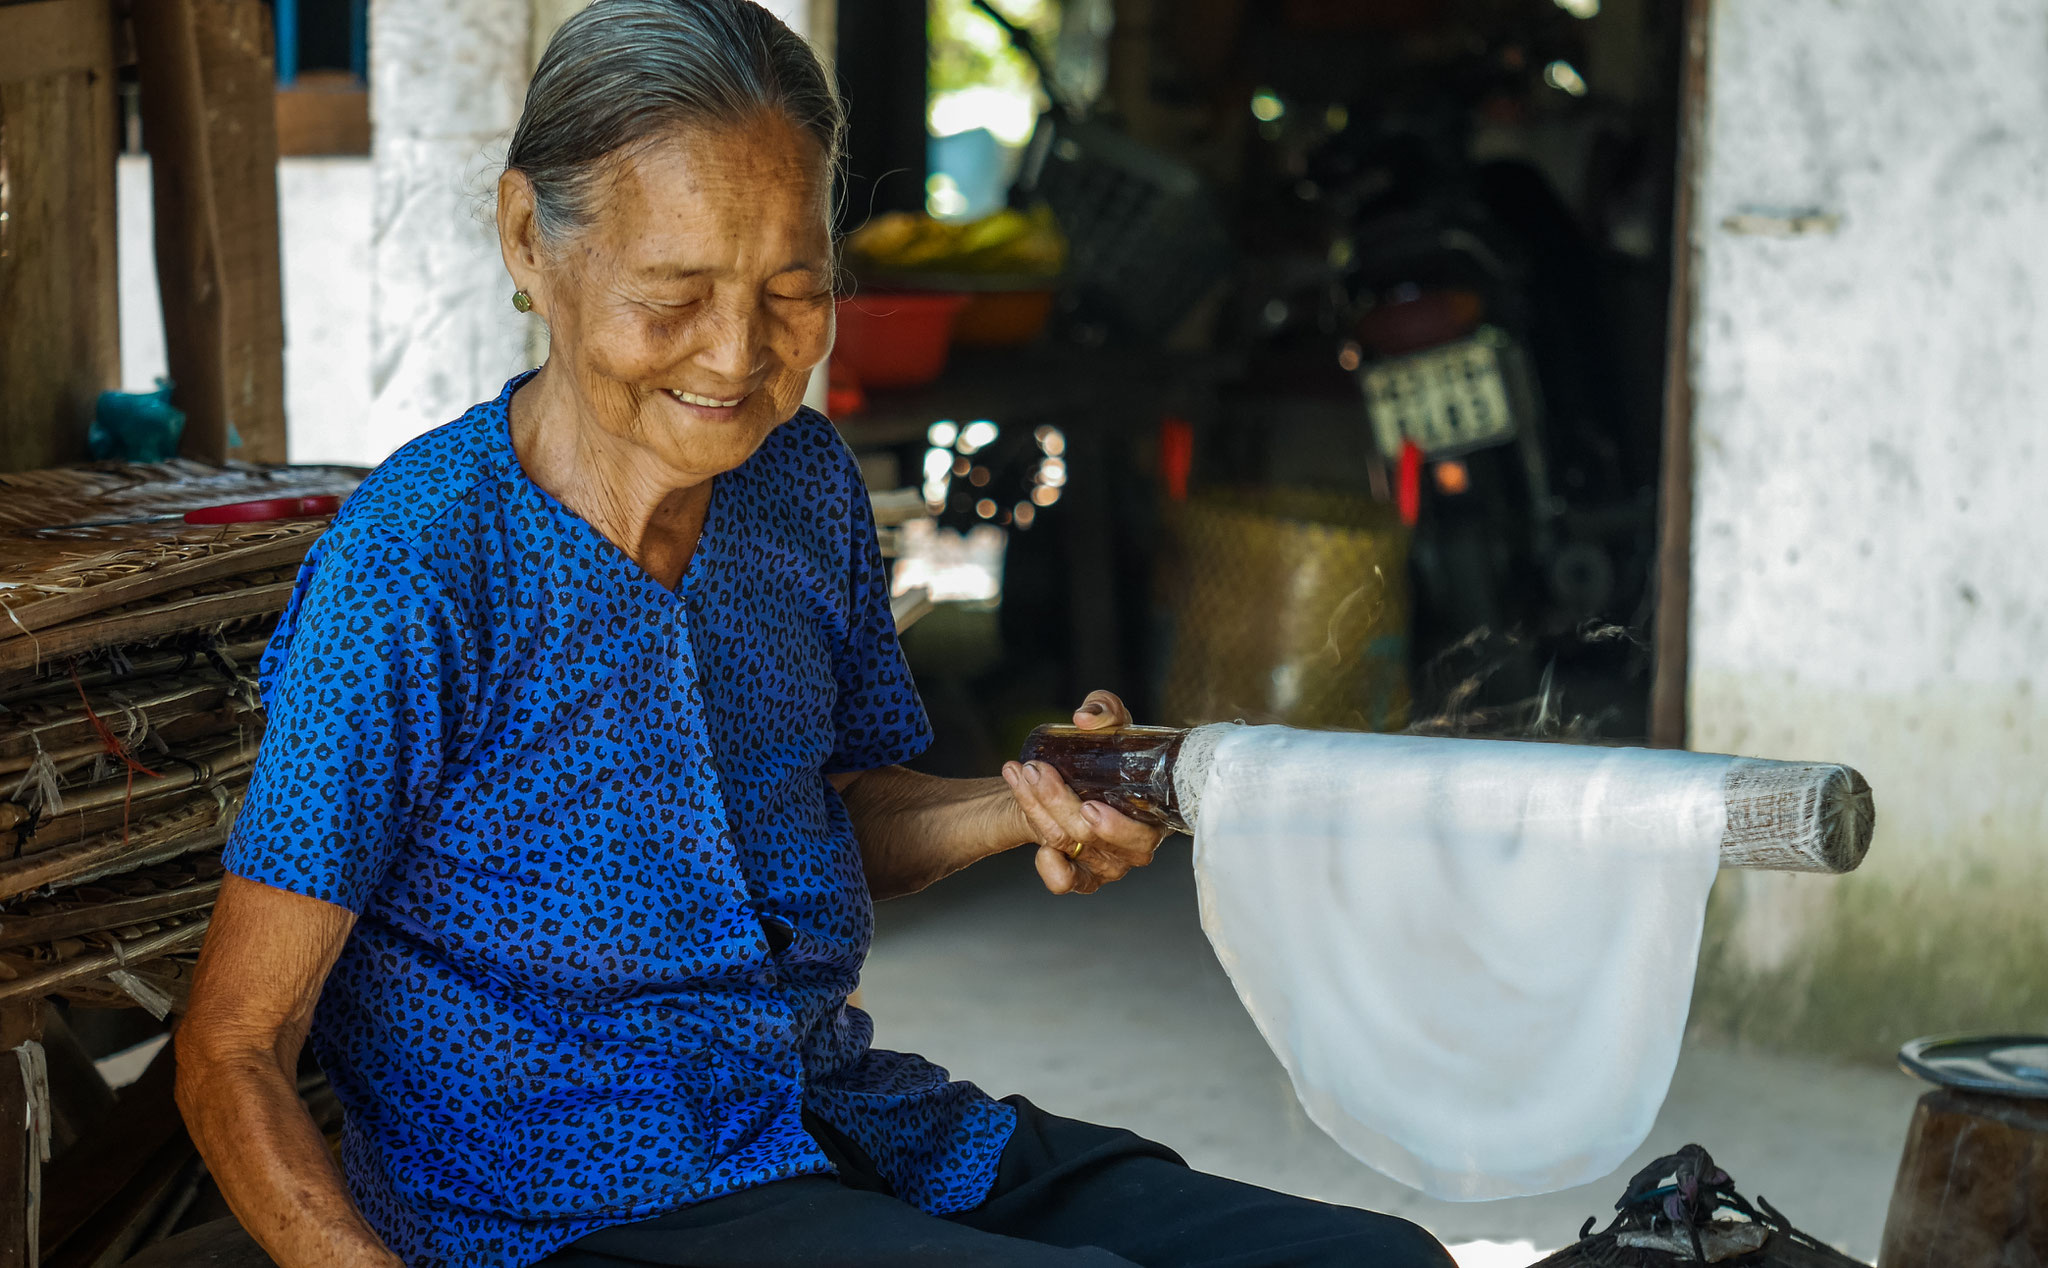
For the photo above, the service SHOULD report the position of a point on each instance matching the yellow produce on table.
(1008, 243)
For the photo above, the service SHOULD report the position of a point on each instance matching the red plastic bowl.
(895, 338)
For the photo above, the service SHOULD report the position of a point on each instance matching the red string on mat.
(116, 749)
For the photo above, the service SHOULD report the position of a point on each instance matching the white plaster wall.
(1871, 432)
(324, 215)
(324, 209)
(142, 321)
(797, 14)
(446, 82)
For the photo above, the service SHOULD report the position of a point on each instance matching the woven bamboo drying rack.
(129, 718)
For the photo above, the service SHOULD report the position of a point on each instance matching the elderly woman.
(581, 779)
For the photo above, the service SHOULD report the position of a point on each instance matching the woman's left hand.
(1082, 846)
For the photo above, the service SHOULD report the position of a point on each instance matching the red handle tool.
(228, 513)
(265, 509)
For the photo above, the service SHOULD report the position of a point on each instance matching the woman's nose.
(735, 343)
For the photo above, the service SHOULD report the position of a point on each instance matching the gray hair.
(622, 72)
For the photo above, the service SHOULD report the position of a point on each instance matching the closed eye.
(801, 284)
(668, 307)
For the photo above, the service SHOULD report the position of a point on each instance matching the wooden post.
(60, 332)
(20, 1153)
(208, 85)
(1671, 630)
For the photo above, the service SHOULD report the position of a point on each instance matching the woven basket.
(1288, 606)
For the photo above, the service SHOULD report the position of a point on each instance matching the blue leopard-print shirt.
(576, 812)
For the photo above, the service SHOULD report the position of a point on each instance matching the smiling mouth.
(707, 402)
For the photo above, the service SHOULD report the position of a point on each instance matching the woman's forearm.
(271, 1162)
(266, 957)
(914, 829)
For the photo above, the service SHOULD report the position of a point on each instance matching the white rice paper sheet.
(1474, 959)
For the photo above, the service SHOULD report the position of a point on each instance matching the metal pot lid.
(2005, 1065)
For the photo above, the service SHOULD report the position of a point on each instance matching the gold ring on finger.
(1079, 846)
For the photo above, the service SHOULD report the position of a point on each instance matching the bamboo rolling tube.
(1780, 816)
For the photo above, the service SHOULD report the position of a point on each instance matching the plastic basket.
(1145, 239)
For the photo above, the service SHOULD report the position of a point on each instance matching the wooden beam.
(324, 112)
(112, 1171)
(1672, 630)
(209, 83)
(53, 36)
(150, 1196)
(60, 337)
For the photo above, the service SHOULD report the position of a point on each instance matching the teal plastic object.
(136, 426)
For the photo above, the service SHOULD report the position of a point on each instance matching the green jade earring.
(522, 301)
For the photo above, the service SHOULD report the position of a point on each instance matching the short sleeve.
(878, 719)
(361, 688)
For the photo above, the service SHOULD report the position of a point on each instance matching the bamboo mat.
(129, 717)
(33, 500)
(62, 560)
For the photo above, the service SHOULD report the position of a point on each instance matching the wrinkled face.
(688, 315)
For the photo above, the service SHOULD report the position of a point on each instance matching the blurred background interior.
(1308, 359)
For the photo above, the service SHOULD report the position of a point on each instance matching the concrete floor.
(1111, 1008)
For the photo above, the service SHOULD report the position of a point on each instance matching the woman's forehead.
(707, 194)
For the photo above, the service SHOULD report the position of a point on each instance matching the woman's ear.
(519, 237)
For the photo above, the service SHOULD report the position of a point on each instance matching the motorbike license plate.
(1448, 399)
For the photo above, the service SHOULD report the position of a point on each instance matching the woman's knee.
(1389, 1241)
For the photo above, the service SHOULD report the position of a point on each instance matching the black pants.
(1067, 1195)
